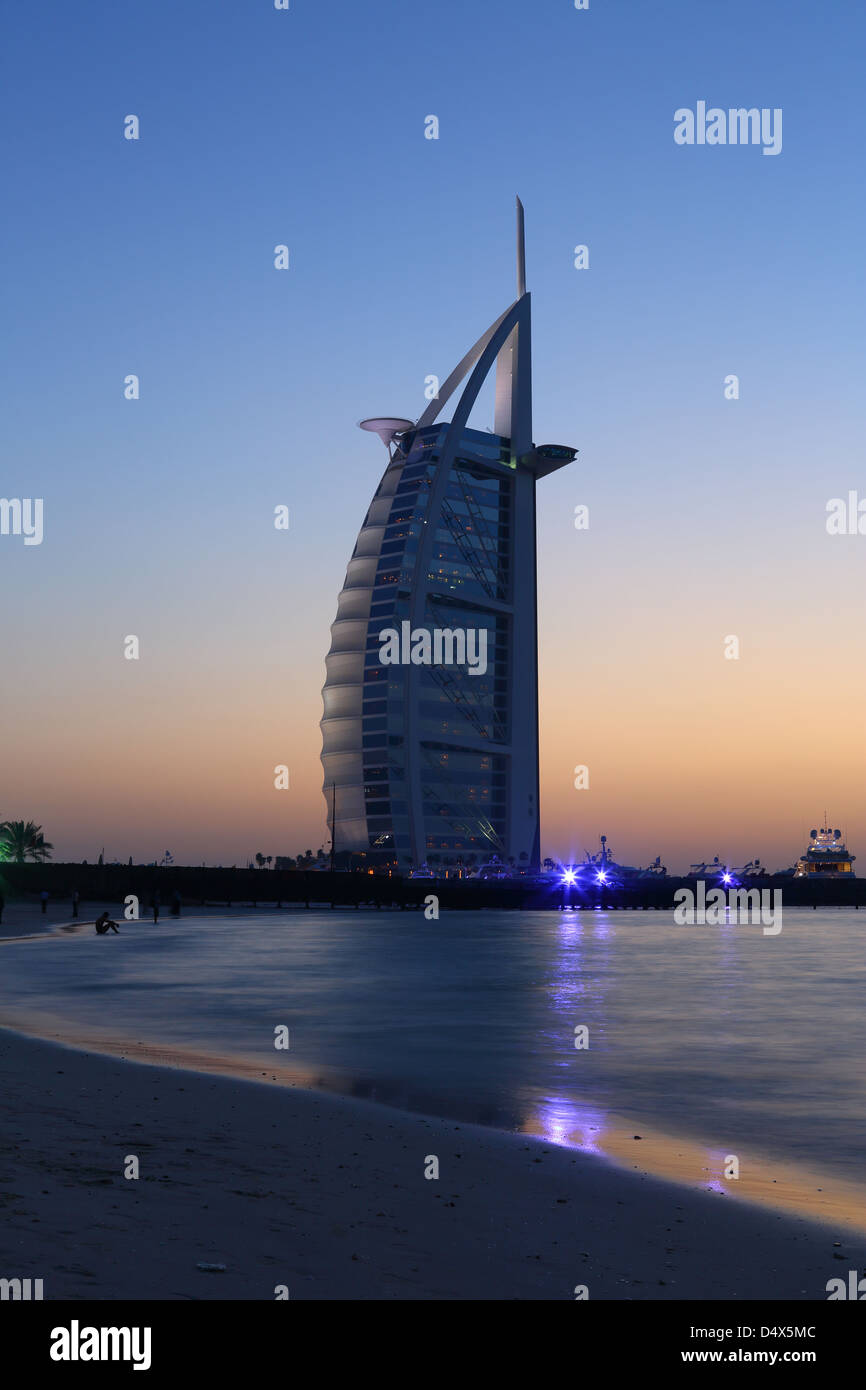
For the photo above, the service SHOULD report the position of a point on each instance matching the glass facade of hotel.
(456, 724)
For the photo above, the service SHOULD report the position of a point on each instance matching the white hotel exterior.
(439, 763)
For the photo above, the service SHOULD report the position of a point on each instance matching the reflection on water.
(750, 1044)
(563, 1122)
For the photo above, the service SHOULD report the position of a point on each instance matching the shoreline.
(789, 1187)
(326, 1194)
(781, 1188)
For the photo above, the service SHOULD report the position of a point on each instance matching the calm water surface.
(721, 1034)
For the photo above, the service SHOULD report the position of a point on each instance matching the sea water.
(723, 1034)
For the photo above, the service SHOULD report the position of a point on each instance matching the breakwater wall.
(112, 883)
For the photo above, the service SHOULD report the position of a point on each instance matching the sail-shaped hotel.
(437, 761)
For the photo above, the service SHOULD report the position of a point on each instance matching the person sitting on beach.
(104, 924)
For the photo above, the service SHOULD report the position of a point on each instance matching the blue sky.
(306, 127)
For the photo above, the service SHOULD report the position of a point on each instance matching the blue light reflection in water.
(719, 1033)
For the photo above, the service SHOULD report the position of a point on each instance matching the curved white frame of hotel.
(507, 345)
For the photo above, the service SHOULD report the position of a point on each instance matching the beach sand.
(327, 1196)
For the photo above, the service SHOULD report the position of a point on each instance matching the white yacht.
(826, 856)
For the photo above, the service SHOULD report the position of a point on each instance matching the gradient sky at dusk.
(306, 127)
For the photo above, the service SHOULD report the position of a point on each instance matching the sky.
(306, 128)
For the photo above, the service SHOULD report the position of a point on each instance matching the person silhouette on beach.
(154, 902)
(43, 898)
(104, 924)
(76, 898)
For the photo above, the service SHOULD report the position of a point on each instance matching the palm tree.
(20, 840)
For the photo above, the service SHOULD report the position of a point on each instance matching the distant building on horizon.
(436, 762)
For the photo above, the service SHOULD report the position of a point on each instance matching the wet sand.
(327, 1196)
(792, 1189)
